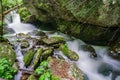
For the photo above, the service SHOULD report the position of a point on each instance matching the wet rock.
(114, 50)
(22, 35)
(39, 41)
(76, 72)
(65, 70)
(70, 54)
(15, 66)
(30, 19)
(24, 44)
(53, 40)
(47, 52)
(28, 57)
(24, 77)
(37, 57)
(115, 55)
(39, 33)
(7, 52)
(32, 77)
(60, 57)
(90, 49)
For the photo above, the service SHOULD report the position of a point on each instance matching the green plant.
(43, 67)
(6, 70)
(7, 4)
(44, 72)
(24, 13)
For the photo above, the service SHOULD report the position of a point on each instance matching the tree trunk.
(1, 19)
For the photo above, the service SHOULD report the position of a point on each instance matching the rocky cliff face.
(97, 12)
(77, 17)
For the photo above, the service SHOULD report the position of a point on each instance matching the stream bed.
(101, 67)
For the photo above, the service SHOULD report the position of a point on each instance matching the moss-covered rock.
(114, 51)
(53, 40)
(32, 77)
(37, 57)
(7, 52)
(90, 49)
(70, 54)
(30, 19)
(37, 33)
(28, 57)
(22, 35)
(15, 66)
(47, 52)
(88, 33)
(25, 44)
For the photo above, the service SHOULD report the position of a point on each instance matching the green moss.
(28, 57)
(53, 40)
(24, 13)
(24, 44)
(32, 77)
(7, 52)
(69, 27)
(47, 53)
(70, 54)
(37, 57)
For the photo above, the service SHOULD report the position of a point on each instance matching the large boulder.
(98, 12)
(65, 70)
(91, 21)
(7, 52)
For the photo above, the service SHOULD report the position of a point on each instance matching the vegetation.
(6, 70)
(23, 13)
(44, 72)
(7, 4)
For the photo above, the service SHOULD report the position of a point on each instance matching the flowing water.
(93, 68)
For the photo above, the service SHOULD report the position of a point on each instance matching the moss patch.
(28, 57)
(7, 52)
(70, 54)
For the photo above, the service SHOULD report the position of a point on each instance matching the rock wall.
(94, 21)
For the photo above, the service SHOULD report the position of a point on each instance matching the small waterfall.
(13, 21)
(16, 18)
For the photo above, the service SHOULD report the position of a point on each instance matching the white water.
(13, 21)
(19, 56)
(88, 65)
(17, 25)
